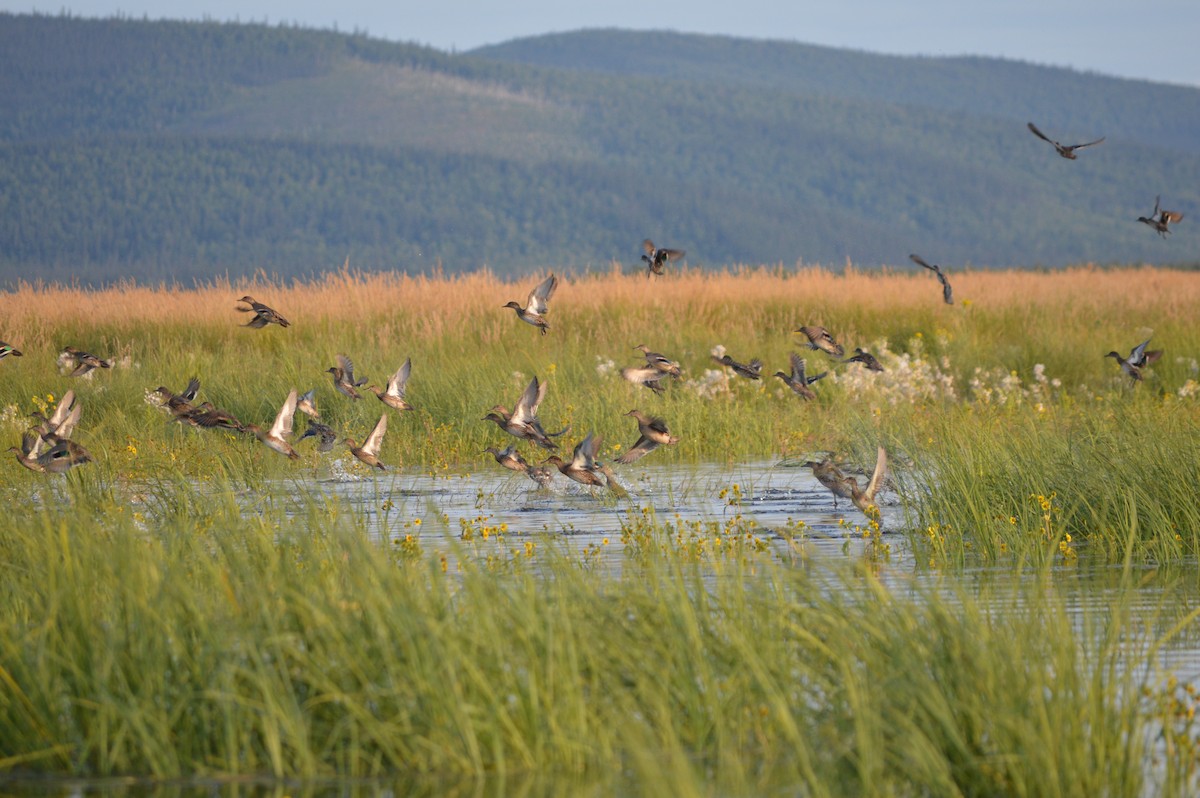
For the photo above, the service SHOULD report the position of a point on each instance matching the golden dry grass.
(430, 307)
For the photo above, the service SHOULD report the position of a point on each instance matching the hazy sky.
(1155, 40)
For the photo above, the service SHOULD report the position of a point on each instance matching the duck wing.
(1033, 128)
(282, 428)
(527, 406)
(399, 382)
(540, 295)
(373, 441)
(879, 475)
(640, 449)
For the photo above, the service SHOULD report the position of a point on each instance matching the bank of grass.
(287, 646)
(1118, 459)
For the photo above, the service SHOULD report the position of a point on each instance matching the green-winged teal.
(325, 435)
(209, 417)
(799, 380)
(1065, 150)
(1160, 219)
(523, 421)
(659, 362)
(847, 487)
(307, 404)
(751, 370)
(820, 338)
(393, 395)
(1138, 359)
(509, 457)
(535, 308)
(866, 358)
(343, 378)
(543, 475)
(61, 422)
(645, 375)
(8, 349)
(276, 438)
(55, 459)
(263, 315)
(180, 404)
(582, 467)
(369, 451)
(47, 447)
(81, 362)
(947, 291)
(653, 432)
(656, 258)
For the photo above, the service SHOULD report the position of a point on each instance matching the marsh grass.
(293, 645)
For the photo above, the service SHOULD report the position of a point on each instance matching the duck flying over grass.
(393, 394)
(81, 362)
(307, 404)
(847, 487)
(799, 380)
(209, 417)
(947, 291)
(536, 306)
(1065, 150)
(325, 435)
(8, 349)
(656, 259)
(582, 468)
(369, 451)
(653, 432)
(179, 404)
(1138, 359)
(751, 370)
(866, 358)
(343, 378)
(263, 315)
(1160, 219)
(523, 421)
(820, 338)
(47, 447)
(659, 362)
(648, 376)
(276, 438)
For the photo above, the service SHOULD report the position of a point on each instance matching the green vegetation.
(176, 151)
(193, 604)
(296, 646)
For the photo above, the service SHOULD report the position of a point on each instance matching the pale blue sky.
(1156, 40)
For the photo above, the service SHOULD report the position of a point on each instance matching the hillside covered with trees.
(181, 151)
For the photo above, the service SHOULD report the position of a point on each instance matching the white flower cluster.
(907, 378)
(1189, 389)
(604, 367)
(1001, 387)
(712, 384)
(11, 416)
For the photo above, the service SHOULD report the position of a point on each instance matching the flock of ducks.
(47, 446)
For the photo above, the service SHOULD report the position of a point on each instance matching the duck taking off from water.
(523, 421)
(369, 451)
(393, 395)
(653, 432)
(536, 306)
(276, 438)
(1065, 150)
(343, 378)
(847, 487)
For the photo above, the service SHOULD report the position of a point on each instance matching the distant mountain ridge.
(178, 151)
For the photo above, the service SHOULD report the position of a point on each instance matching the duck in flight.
(1160, 218)
(947, 291)
(535, 308)
(656, 259)
(1065, 150)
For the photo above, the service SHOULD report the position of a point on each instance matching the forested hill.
(172, 150)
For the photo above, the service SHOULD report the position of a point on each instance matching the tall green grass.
(296, 646)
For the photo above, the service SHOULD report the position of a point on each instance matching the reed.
(289, 644)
